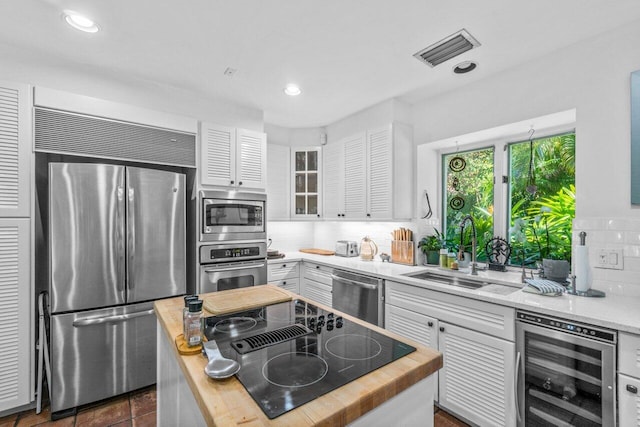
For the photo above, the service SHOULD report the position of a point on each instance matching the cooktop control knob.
(330, 316)
(339, 322)
(330, 324)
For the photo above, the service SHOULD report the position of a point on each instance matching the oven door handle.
(242, 267)
(354, 282)
(111, 319)
(517, 393)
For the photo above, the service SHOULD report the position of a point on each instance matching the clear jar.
(444, 259)
(193, 324)
(451, 258)
(185, 310)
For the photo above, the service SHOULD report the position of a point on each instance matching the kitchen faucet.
(474, 266)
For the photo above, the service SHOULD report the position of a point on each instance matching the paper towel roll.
(582, 269)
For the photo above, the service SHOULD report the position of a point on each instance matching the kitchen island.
(400, 392)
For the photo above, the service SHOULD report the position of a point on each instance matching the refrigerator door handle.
(131, 239)
(119, 230)
(111, 319)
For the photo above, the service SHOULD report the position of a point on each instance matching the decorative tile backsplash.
(612, 233)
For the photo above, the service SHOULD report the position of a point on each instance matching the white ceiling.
(345, 54)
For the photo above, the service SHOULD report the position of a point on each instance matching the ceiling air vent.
(447, 48)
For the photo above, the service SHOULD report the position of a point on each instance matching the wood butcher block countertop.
(227, 403)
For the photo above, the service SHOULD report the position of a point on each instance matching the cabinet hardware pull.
(517, 393)
(441, 328)
(284, 283)
(231, 182)
(430, 324)
(240, 183)
(284, 265)
(632, 389)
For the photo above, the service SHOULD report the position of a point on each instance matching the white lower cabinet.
(477, 381)
(316, 283)
(285, 274)
(628, 379)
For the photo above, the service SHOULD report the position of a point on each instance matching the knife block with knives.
(402, 247)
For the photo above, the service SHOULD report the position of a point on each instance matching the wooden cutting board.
(317, 251)
(234, 300)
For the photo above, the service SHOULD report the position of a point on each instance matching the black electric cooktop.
(292, 352)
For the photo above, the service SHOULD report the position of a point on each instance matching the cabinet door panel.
(251, 158)
(218, 160)
(477, 379)
(355, 175)
(380, 169)
(333, 174)
(278, 182)
(15, 346)
(628, 401)
(15, 149)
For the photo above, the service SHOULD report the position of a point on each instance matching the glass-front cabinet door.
(306, 179)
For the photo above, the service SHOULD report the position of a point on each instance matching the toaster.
(346, 248)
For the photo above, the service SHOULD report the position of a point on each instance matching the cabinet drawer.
(282, 270)
(318, 292)
(628, 400)
(629, 354)
(481, 316)
(292, 285)
(318, 273)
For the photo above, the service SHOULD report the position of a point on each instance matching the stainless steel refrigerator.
(116, 243)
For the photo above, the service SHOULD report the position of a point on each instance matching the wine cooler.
(565, 372)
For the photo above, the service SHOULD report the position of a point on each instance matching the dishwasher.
(565, 372)
(358, 295)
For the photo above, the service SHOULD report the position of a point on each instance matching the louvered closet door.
(380, 167)
(15, 314)
(333, 175)
(15, 148)
(218, 160)
(477, 379)
(251, 159)
(355, 177)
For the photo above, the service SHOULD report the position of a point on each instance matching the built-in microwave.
(228, 215)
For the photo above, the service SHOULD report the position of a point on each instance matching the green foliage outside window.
(541, 200)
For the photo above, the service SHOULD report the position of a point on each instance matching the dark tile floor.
(135, 409)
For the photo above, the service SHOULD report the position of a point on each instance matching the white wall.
(93, 82)
(293, 137)
(378, 115)
(592, 77)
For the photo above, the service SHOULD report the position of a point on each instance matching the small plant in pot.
(430, 247)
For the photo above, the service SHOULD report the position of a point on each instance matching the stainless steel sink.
(448, 280)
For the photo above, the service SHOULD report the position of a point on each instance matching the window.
(533, 210)
(541, 198)
(469, 191)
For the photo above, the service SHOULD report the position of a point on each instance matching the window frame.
(501, 168)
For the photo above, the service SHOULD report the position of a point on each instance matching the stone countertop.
(227, 403)
(613, 311)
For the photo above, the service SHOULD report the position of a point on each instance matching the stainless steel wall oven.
(232, 265)
(228, 215)
(566, 372)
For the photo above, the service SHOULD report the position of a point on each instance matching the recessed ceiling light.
(292, 90)
(80, 22)
(465, 67)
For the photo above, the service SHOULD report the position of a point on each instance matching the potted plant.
(430, 247)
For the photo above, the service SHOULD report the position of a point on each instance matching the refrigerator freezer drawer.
(101, 353)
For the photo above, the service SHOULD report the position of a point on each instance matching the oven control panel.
(568, 326)
(229, 252)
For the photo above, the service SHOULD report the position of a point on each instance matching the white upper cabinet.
(333, 178)
(306, 197)
(233, 157)
(355, 177)
(369, 175)
(15, 149)
(278, 182)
